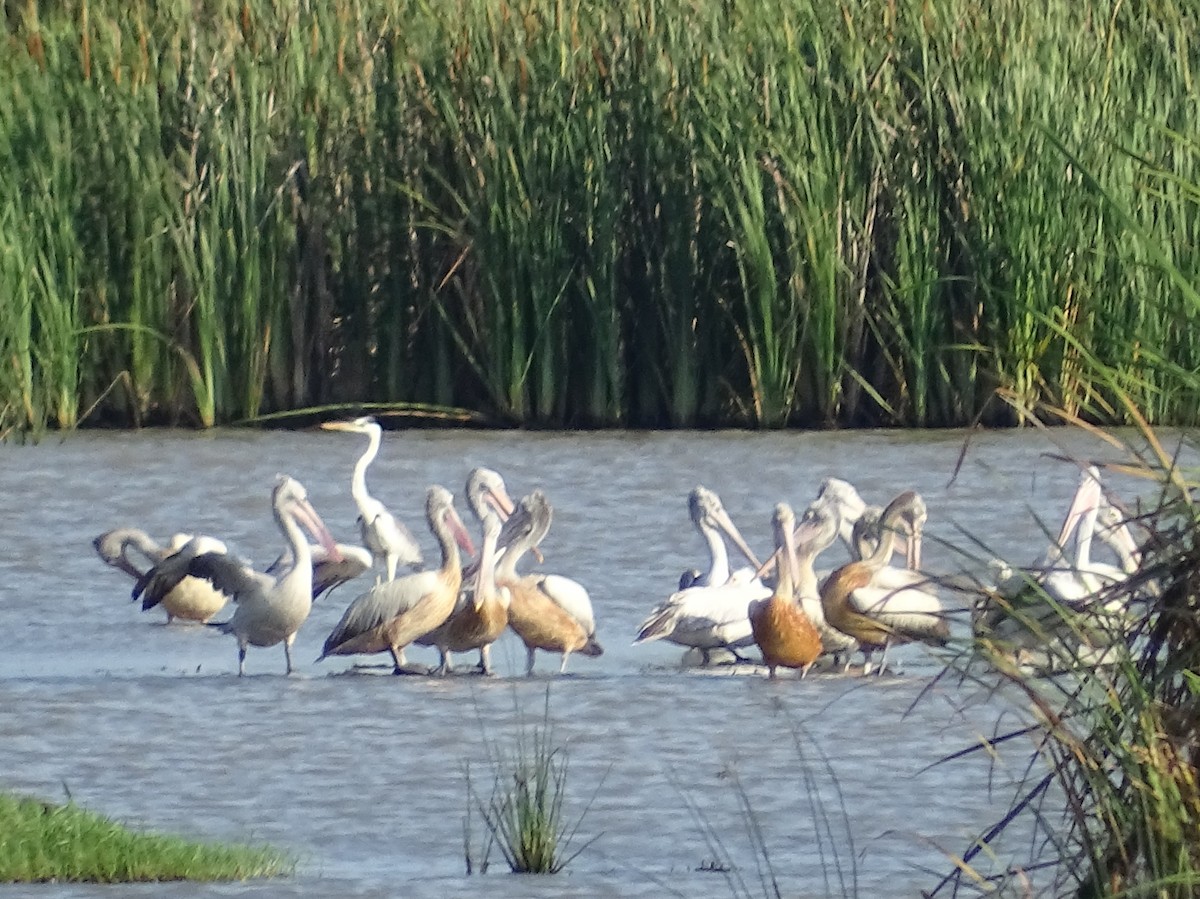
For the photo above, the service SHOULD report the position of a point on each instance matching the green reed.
(563, 213)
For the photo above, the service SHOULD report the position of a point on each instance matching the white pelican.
(547, 611)
(191, 599)
(477, 620)
(392, 614)
(389, 541)
(706, 618)
(711, 520)
(784, 633)
(1056, 605)
(270, 609)
(879, 617)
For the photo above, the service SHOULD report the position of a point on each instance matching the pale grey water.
(362, 777)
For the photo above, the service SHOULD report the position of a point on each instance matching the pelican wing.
(884, 601)
(160, 580)
(231, 576)
(571, 597)
(378, 606)
(704, 616)
(328, 574)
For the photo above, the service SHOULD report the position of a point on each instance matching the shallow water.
(363, 776)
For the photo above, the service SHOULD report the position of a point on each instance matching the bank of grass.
(42, 842)
(572, 212)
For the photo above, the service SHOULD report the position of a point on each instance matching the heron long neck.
(718, 569)
(358, 481)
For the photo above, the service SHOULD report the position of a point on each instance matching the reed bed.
(571, 213)
(42, 842)
(1109, 804)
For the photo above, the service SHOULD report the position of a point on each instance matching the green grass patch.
(42, 842)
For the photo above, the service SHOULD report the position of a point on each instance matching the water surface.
(363, 775)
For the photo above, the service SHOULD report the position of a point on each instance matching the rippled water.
(362, 776)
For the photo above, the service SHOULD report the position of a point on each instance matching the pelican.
(392, 614)
(841, 500)
(1035, 610)
(711, 520)
(547, 611)
(481, 619)
(817, 531)
(270, 609)
(782, 631)
(192, 599)
(878, 616)
(390, 542)
(706, 617)
(477, 620)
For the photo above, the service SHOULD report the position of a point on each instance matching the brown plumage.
(786, 636)
(872, 631)
(547, 611)
(394, 613)
(482, 612)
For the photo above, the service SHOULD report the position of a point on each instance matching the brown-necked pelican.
(390, 542)
(784, 634)
(270, 609)
(547, 611)
(192, 599)
(879, 619)
(392, 614)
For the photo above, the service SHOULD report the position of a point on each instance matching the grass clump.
(42, 842)
(524, 814)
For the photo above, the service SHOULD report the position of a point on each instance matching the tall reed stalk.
(564, 212)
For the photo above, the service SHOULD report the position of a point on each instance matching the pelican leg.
(562, 669)
(529, 661)
(771, 672)
(738, 657)
(446, 665)
(883, 660)
(485, 659)
(398, 658)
